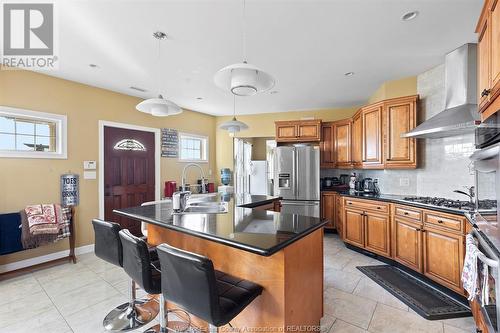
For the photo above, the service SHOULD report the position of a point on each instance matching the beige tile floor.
(75, 298)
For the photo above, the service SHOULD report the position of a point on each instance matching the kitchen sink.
(204, 207)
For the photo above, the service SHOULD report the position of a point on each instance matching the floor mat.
(428, 302)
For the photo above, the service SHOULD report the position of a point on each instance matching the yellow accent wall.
(395, 88)
(262, 125)
(31, 181)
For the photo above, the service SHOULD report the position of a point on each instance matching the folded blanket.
(30, 241)
(64, 222)
(42, 219)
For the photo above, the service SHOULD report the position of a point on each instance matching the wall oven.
(486, 161)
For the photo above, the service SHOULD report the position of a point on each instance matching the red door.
(129, 173)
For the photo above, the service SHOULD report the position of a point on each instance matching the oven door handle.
(488, 261)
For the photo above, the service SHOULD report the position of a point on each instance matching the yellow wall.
(28, 181)
(262, 125)
(395, 88)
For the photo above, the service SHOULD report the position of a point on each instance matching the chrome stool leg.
(131, 315)
(165, 325)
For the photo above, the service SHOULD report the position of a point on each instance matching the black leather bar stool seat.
(143, 266)
(190, 281)
(108, 247)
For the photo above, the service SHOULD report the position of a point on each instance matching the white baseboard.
(41, 259)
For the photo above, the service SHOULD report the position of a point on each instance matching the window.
(193, 147)
(30, 134)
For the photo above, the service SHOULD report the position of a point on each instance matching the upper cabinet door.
(400, 117)
(372, 136)
(327, 145)
(356, 139)
(484, 52)
(286, 131)
(494, 27)
(343, 143)
(309, 130)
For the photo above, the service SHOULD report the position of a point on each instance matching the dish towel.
(10, 233)
(470, 270)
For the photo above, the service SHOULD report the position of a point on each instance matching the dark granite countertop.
(251, 200)
(394, 198)
(257, 231)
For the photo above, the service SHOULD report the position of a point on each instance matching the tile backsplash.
(443, 164)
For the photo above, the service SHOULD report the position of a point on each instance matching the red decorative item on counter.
(211, 187)
(170, 188)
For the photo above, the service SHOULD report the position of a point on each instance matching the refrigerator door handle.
(294, 170)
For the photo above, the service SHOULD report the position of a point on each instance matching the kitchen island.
(281, 252)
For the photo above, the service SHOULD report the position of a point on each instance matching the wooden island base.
(292, 278)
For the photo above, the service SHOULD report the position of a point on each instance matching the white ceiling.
(307, 45)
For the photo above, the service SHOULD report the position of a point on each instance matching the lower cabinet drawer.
(376, 206)
(442, 220)
(407, 212)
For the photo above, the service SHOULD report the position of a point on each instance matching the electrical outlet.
(404, 182)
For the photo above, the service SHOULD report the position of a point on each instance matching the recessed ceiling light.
(273, 92)
(199, 98)
(349, 74)
(409, 16)
(93, 66)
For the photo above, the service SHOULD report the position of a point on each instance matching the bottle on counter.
(352, 181)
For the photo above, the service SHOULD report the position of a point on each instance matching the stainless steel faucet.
(471, 193)
(203, 190)
(179, 200)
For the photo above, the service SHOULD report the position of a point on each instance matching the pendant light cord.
(158, 71)
(243, 32)
(234, 107)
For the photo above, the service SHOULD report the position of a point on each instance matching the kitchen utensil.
(367, 185)
(344, 179)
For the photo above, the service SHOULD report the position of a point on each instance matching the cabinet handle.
(418, 229)
(478, 330)
(440, 221)
(485, 92)
(349, 203)
(379, 207)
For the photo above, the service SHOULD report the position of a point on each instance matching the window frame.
(61, 137)
(197, 136)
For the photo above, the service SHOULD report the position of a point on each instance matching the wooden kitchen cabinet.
(327, 145)
(343, 143)
(338, 215)
(356, 139)
(353, 227)
(328, 201)
(377, 234)
(407, 243)
(371, 132)
(298, 131)
(399, 116)
(443, 257)
(488, 57)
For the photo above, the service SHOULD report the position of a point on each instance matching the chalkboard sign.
(169, 143)
(69, 190)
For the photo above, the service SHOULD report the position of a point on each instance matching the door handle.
(485, 92)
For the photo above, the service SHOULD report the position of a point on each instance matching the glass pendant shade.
(243, 79)
(233, 126)
(159, 107)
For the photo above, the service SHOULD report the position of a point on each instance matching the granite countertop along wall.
(444, 163)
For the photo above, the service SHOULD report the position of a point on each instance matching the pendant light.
(243, 79)
(233, 125)
(159, 107)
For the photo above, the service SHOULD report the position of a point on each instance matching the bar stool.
(108, 247)
(146, 271)
(190, 281)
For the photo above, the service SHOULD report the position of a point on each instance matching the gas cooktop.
(454, 204)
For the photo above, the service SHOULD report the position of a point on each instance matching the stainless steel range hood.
(461, 113)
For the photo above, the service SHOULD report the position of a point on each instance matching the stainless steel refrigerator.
(296, 175)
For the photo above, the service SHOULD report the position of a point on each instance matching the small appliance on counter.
(352, 181)
(344, 179)
(225, 189)
(170, 188)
